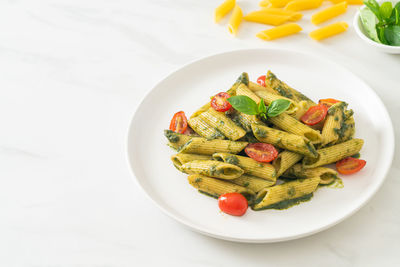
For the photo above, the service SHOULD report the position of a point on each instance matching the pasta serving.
(264, 145)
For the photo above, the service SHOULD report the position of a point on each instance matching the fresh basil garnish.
(248, 106)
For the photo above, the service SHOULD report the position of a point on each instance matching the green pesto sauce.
(285, 204)
(198, 180)
(184, 145)
(212, 170)
(336, 118)
(261, 133)
(337, 183)
(171, 136)
(208, 194)
(243, 78)
(284, 91)
(291, 191)
(357, 155)
(246, 184)
(232, 160)
(303, 97)
(216, 135)
(221, 122)
(311, 148)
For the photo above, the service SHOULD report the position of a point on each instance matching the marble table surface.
(72, 75)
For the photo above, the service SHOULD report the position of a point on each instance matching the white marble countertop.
(73, 73)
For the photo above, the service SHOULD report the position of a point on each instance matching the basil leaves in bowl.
(378, 24)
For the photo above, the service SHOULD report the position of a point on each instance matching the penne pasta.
(176, 140)
(253, 183)
(326, 175)
(265, 18)
(268, 98)
(223, 9)
(279, 32)
(235, 20)
(264, 3)
(347, 130)
(212, 168)
(291, 142)
(203, 129)
(250, 166)
(199, 145)
(333, 122)
(285, 160)
(181, 158)
(329, 13)
(294, 16)
(256, 87)
(291, 125)
(329, 31)
(279, 3)
(287, 194)
(334, 153)
(215, 187)
(222, 123)
(350, 2)
(298, 5)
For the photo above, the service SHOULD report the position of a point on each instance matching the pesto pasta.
(264, 141)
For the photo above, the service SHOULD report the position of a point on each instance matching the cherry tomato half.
(314, 114)
(328, 102)
(261, 80)
(350, 165)
(233, 204)
(220, 103)
(261, 152)
(178, 123)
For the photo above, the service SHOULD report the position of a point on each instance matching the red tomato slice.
(314, 114)
(261, 80)
(350, 165)
(233, 204)
(261, 152)
(178, 123)
(328, 102)
(220, 103)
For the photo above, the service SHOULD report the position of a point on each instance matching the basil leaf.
(386, 10)
(277, 107)
(368, 21)
(392, 35)
(381, 33)
(397, 13)
(261, 107)
(244, 104)
(374, 7)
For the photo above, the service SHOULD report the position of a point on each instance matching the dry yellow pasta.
(235, 20)
(279, 3)
(223, 9)
(264, 3)
(298, 5)
(265, 18)
(294, 16)
(328, 31)
(279, 32)
(350, 2)
(329, 13)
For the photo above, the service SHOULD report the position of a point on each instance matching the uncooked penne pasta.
(215, 187)
(326, 175)
(334, 153)
(279, 3)
(333, 122)
(181, 158)
(203, 129)
(253, 183)
(176, 140)
(298, 5)
(250, 166)
(223, 9)
(199, 145)
(235, 20)
(329, 13)
(279, 32)
(292, 142)
(264, 3)
(294, 16)
(291, 125)
(212, 168)
(222, 123)
(329, 30)
(350, 2)
(285, 160)
(265, 18)
(278, 196)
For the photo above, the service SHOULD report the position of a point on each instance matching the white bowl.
(360, 31)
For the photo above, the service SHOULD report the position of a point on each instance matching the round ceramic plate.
(192, 85)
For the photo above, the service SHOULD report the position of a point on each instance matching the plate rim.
(197, 228)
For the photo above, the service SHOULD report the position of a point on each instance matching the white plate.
(192, 85)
